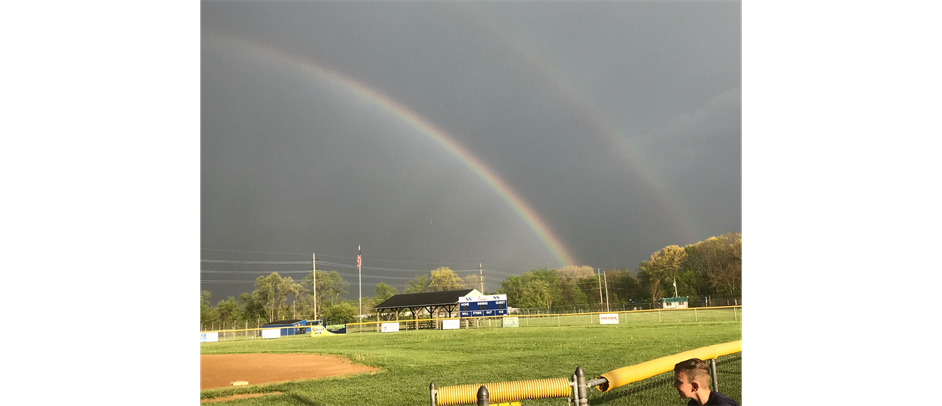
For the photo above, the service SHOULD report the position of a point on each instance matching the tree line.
(709, 268)
(712, 267)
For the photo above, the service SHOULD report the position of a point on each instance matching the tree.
(512, 286)
(717, 264)
(571, 295)
(330, 285)
(384, 292)
(273, 291)
(589, 286)
(228, 310)
(553, 282)
(661, 269)
(252, 308)
(338, 313)
(524, 292)
(444, 279)
(650, 280)
(623, 286)
(535, 294)
(539, 288)
(727, 270)
(574, 273)
(207, 313)
(418, 285)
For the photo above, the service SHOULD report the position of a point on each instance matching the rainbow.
(537, 67)
(423, 126)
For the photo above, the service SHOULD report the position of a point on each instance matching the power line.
(324, 263)
(307, 271)
(256, 252)
(228, 261)
(435, 264)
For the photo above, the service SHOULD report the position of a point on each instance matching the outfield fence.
(622, 307)
(632, 317)
(621, 318)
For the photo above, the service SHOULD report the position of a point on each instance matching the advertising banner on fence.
(608, 318)
(390, 327)
(331, 330)
(273, 333)
(451, 324)
(511, 322)
(209, 337)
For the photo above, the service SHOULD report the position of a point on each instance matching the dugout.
(291, 327)
(435, 303)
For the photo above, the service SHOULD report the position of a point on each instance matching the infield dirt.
(221, 370)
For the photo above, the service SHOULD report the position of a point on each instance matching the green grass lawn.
(410, 360)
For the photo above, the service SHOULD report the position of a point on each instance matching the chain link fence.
(696, 311)
(658, 389)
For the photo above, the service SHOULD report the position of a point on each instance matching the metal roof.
(424, 299)
(674, 299)
(281, 323)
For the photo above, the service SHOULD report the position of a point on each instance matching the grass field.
(410, 360)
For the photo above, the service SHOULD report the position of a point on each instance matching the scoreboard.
(481, 306)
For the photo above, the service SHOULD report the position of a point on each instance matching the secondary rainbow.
(481, 170)
(536, 67)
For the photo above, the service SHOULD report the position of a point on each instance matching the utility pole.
(314, 281)
(601, 306)
(481, 276)
(608, 306)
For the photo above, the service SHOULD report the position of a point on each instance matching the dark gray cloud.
(617, 122)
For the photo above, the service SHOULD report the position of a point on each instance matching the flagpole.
(360, 274)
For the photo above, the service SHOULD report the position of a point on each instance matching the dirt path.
(221, 370)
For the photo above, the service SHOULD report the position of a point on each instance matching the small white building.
(674, 303)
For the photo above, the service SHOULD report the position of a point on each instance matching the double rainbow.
(422, 125)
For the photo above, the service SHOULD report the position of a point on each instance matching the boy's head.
(691, 376)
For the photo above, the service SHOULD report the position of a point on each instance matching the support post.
(433, 393)
(483, 396)
(574, 399)
(580, 383)
(716, 384)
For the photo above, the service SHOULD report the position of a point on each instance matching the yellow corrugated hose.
(505, 391)
(645, 370)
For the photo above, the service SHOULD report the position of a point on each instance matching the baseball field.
(396, 368)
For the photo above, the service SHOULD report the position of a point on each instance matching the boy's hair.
(696, 370)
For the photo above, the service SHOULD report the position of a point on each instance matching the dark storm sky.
(616, 123)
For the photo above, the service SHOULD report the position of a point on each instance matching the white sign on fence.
(510, 322)
(451, 324)
(608, 318)
(273, 333)
(390, 327)
(209, 337)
